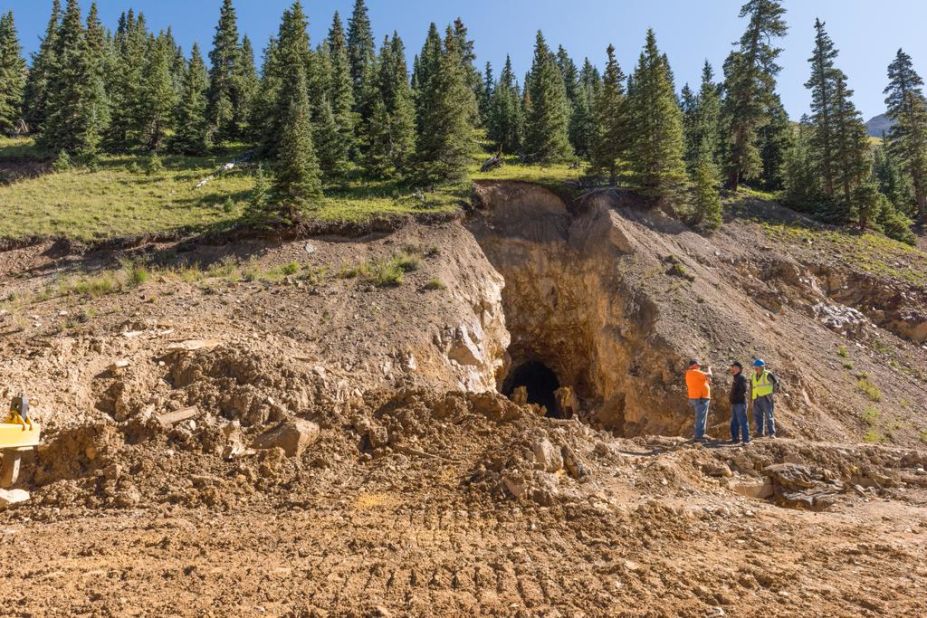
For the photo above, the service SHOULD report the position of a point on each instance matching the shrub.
(385, 274)
(154, 165)
(869, 389)
(871, 416)
(435, 284)
(62, 163)
(138, 275)
(408, 262)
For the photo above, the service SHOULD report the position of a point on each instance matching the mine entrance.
(540, 382)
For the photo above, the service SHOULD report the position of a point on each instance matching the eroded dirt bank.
(262, 429)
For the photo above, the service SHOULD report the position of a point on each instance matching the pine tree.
(361, 48)
(468, 62)
(290, 53)
(178, 64)
(158, 98)
(341, 93)
(259, 205)
(297, 186)
(263, 107)
(590, 79)
(246, 87)
(821, 84)
(801, 178)
(656, 134)
(12, 76)
(506, 120)
(192, 134)
(125, 84)
(426, 67)
(44, 63)
(446, 103)
(331, 149)
(486, 94)
(750, 81)
(702, 120)
(610, 145)
(72, 123)
(225, 60)
(547, 117)
(852, 161)
(907, 140)
(582, 118)
(893, 184)
(774, 140)
(688, 103)
(707, 197)
(389, 134)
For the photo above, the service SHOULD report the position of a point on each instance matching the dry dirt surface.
(236, 435)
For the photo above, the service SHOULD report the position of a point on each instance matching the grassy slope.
(118, 198)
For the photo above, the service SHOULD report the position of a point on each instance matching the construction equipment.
(18, 435)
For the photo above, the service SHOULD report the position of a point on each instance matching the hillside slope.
(417, 487)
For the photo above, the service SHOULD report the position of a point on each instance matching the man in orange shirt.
(699, 385)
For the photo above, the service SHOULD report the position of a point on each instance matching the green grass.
(130, 195)
(385, 273)
(843, 352)
(873, 436)
(18, 149)
(869, 389)
(558, 173)
(118, 199)
(870, 252)
(923, 436)
(435, 284)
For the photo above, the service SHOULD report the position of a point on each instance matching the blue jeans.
(701, 416)
(740, 428)
(764, 416)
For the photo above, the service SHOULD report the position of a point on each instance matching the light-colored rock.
(760, 490)
(465, 348)
(292, 436)
(547, 457)
(9, 497)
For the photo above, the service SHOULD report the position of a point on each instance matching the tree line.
(314, 113)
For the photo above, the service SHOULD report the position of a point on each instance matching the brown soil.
(428, 493)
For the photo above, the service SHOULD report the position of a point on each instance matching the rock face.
(569, 306)
(292, 436)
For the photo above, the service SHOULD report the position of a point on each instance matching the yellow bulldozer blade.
(13, 436)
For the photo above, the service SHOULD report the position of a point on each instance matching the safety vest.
(762, 385)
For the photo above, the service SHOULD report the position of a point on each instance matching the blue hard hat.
(759, 363)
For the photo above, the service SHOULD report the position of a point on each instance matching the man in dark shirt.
(740, 428)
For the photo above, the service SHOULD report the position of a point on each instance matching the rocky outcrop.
(569, 305)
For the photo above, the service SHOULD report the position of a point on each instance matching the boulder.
(293, 437)
(547, 456)
(761, 490)
(9, 497)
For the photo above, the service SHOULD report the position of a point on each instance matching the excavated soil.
(315, 445)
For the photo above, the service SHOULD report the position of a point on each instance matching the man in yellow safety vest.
(763, 387)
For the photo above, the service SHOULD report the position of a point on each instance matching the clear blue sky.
(867, 32)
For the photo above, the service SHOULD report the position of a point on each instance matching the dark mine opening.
(541, 384)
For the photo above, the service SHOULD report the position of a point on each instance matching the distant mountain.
(879, 125)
